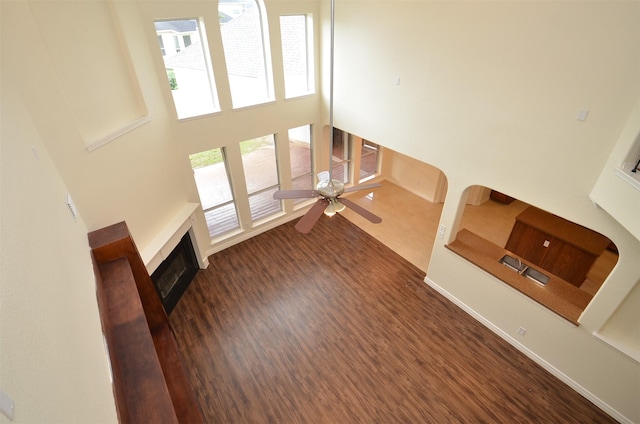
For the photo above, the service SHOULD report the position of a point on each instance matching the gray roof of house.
(177, 26)
(243, 55)
(190, 57)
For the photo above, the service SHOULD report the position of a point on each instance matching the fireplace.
(174, 274)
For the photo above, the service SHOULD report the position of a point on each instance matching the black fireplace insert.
(175, 273)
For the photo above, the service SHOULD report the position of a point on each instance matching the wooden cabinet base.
(561, 247)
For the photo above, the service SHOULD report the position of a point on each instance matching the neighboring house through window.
(188, 66)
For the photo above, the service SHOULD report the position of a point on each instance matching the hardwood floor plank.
(287, 328)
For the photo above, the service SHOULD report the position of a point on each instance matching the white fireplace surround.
(168, 238)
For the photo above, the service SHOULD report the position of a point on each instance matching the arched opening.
(554, 261)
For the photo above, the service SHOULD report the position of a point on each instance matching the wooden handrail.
(149, 380)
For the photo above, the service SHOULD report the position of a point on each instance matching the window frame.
(346, 163)
(310, 176)
(209, 82)
(309, 53)
(238, 99)
(377, 152)
(271, 211)
(214, 234)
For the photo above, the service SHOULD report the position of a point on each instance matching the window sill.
(557, 295)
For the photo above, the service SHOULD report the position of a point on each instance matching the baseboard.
(531, 354)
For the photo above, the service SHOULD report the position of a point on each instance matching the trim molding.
(531, 354)
(117, 133)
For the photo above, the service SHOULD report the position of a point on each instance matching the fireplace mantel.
(168, 238)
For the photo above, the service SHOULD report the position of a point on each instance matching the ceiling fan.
(328, 190)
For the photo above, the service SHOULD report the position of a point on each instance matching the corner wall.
(53, 362)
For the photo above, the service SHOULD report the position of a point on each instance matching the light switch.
(546, 243)
(582, 115)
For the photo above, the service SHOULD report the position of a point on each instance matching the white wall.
(415, 176)
(52, 357)
(615, 195)
(489, 94)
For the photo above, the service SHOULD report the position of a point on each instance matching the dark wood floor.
(284, 328)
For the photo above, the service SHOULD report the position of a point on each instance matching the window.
(176, 43)
(214, 188)
(341, 157)
(297, 55)
(161, 42)
(301, 159)
(369, 160)
(246, 50)
(261, 175)
(191, 81)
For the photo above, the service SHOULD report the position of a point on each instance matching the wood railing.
(149, 380)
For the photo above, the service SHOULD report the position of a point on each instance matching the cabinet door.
(567, 262)
(528, 243)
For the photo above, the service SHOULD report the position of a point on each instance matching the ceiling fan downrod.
(331, 60)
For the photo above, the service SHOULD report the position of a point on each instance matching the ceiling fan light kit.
(328, 190)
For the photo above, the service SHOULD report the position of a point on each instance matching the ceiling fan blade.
(312, 216)
(295, 194)
(360, 210)
(362, 187)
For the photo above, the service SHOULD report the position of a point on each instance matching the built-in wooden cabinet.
(501, 197)
(561, 247)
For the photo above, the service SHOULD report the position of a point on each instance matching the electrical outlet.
(522, 331)
(441, 229)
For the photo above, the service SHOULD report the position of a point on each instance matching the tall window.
(297, 54)
(261, 175)
(341, 156)
(189, 71)
(301, 159)
(246, 50)
(214, 188)
(369, 160)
